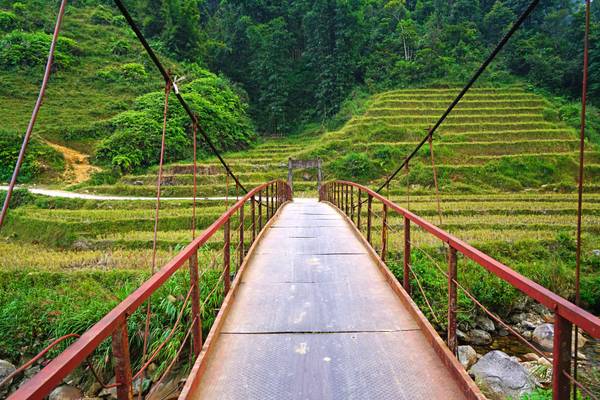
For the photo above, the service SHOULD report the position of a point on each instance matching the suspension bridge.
(311, 309)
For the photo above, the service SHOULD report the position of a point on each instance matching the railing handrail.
(576, 315)
(44, 381)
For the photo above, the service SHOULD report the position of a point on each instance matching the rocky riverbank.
(503, 366)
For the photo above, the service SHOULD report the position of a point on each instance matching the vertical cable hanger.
(586, 45)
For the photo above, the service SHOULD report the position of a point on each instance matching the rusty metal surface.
(314, 318)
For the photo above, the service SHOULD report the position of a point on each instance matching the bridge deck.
(314, 318)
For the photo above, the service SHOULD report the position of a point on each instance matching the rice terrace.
(325, 199)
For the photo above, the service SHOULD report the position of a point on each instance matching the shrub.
(8, 21)
(131, 72)
(26, 49)
(355, 167)
(135, 142)
(19, 198)
(120, 48)
(40, 158)
(101, 16)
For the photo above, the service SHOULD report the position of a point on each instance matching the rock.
(485, 323)
(527, 335)
(461, 335)
(502, 331)
(6, 369)
(531, 357)
(499, 377)
(527, 325)
(65, 392)
(596, 252)
(137, 183)
(467, 356)
(544, 336)
(478, 336)
(527, 316)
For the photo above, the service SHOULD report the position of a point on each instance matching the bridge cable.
(35, 111)
(435, 180)
(167, 78)
(586, 45)
(156, 215)
(473, 79)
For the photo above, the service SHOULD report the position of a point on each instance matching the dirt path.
(77, 165)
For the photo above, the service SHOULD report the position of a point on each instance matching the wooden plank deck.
(315, 318)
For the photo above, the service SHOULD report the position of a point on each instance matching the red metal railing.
(352, 198)
(268, 196)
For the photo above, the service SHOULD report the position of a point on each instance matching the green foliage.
(101, 16)
(355, 167)
(130, 72)
(25, 49)
(136, 140)
(20, 197)
(538, 394)
(571, 114)
(40, 159)
(8, 21)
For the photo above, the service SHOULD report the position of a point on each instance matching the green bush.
(30, 49)
(135, 142)
(120, 48)
(20, 197)
(355, 167)
(39, 158)
(101, 16)
(8, 21)
(130, 72)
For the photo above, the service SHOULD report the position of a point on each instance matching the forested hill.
(299, 59)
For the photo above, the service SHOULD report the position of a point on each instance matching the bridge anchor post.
(369, 203)
(384, 234)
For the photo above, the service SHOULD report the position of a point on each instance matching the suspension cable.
(435, 180)
(167, 78)
(34, 114)
(478, 73)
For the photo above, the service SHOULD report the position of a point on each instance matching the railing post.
(384, 233)
(352, 204)
(406, 274)
(241, 246)
(346, 203)
(122, 362)
(561, 362)
(260, 210)
(452, 278)
(359, 210)
(273, 199)
(267, 211)
(197, 324)
(369, 202)
(253, 208)
(226, 256)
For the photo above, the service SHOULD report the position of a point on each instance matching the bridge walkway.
(314, 318)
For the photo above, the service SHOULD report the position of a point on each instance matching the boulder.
(531, 318)
(467, 356)
(485, 323)
(6, 369)
(531, 357)
(65, 392)
(543, 335)
(500, 377)
(479, 337)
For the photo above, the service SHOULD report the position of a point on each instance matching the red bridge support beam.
(561, 363)
(197, 324)
(226, 257)
(122, 363)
